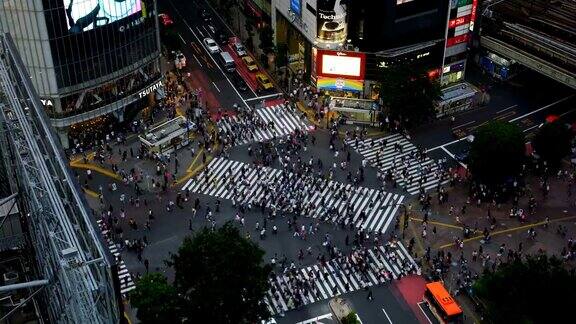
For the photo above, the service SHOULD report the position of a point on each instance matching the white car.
(239, 48)
(211, 45)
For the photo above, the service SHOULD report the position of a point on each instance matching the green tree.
(221, 276)
(409, 94)
(266, 39)
(497, 152)
(351, 318)
(537, 290)
(552, 143)
(155, 299)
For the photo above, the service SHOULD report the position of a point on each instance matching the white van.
(227, 61)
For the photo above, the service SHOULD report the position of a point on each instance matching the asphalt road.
(205, 72)
(526, 103)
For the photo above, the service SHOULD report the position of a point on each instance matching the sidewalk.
(444, 233)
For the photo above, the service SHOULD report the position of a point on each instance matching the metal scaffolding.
(68, 251)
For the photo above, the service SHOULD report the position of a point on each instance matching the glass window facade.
(92, 39)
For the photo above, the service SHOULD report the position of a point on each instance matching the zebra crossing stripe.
(124, 276)
(422, 172)
(284, 120)
(335, 277)
(216, 180)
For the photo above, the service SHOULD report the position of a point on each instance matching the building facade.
(87, 58)
(344, 46)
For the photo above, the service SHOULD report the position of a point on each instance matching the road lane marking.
(215, 86)
(445, 144)
(423, 312)
(221, 19)
(264, 97)
(510, 121)
(452, 156)
(540, 109)
(207, 32)
(506, 115)
(512, 229)
(465, 124)
(388, 317)
(316, 319)
(182, 38)
(197, 60)
(200, 32)
(503, 110)
(197, 38)
(532, 127)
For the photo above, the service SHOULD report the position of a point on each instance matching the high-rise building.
(344, 46)
(92, 62)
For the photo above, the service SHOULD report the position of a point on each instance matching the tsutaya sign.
(148, 90)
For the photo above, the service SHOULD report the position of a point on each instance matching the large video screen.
(83, 15)
(342, 65)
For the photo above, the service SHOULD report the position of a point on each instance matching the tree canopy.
(537, 290)
(408, 94)
(497, 152)
(221, 276)
(155, 299)
(552, 143)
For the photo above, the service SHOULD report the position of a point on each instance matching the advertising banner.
(331, 21)
(341, 64)
(339, 84)
(83, 15)
(296, 7)
(93, 38)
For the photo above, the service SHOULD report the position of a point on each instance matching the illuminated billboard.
(339, 84)
(331, 21)
(341, 64)
(83, 15)
(296, 7)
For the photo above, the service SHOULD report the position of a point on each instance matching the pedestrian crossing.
(124, 276)
(363, 268)
(368, 209)
(273, 122)
(411, 168)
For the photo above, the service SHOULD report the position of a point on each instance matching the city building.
(54, 267)
(343, 47)
(534, 34)
(93, 62)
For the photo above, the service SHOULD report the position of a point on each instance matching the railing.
(529, 60)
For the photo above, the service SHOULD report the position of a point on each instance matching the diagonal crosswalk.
(412, 169)
(124, 276)
(368, 209)
(363, 268)
(270, 123)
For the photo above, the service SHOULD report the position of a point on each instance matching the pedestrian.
(146, 264)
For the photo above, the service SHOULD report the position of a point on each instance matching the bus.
(167, 137)
(227, 61)
(442, 305)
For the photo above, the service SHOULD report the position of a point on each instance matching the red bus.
(442, 304)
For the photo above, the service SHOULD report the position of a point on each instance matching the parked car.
(250, 64)
(239, 82)
(263, 82)
(211, 45)
(240, 50)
